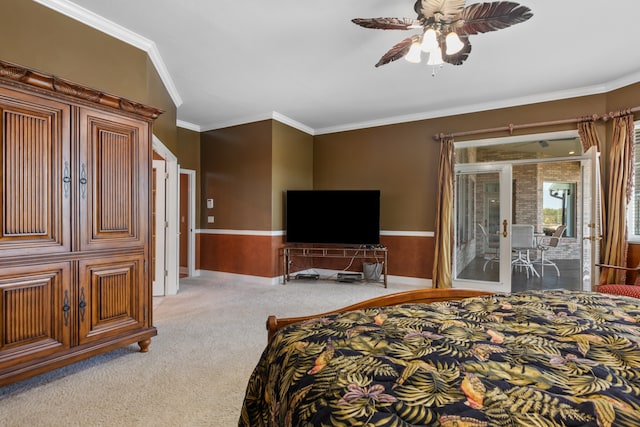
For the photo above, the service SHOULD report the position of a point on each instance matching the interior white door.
(160, 227)
(482, 250)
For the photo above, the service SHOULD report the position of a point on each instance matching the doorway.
(187, 222)
(511, 196)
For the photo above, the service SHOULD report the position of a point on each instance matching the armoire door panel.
(35, 174)
(35, 310)
(110, 299)
(111, 182)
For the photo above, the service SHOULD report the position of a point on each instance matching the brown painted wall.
(246, 169)
(402, 160)
(396, 159)
(38, 37)
(232, 253)
(236, 173)
(292, 167)
(188, 153)
(164, 127)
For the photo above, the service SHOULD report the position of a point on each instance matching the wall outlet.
(211, 219)
(209, 203)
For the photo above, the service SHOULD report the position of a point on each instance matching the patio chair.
(522, 243)
(490, 248)
(545, 244)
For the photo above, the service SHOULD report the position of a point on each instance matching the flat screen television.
(350, 217)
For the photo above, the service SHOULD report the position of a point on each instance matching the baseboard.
(324, 275)
(238, 277)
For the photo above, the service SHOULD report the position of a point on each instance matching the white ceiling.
(228, 62)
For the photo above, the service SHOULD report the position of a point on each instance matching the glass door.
(525, 221)
(591, 229)
(482, 257)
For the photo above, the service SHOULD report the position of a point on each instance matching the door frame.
(505, 181)
(191, 259)
(592, 230)
(172, 261)
(159, 245)
(590, 272)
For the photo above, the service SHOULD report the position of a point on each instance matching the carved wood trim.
(48, 82)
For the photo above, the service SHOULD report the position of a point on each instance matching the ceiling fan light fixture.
(454, 44)
(446, 27)
(429, 40)
(435, 57)
(415, 54)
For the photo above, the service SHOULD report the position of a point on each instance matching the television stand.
(372, 253)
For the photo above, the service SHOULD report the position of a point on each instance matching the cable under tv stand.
(310, 251)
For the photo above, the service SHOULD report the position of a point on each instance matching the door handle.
(83, 181)
(505, 224)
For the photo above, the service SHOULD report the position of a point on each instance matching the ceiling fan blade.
(388, 23)
(485, 17)
(459, 57)
(448, 10)
(398, 51)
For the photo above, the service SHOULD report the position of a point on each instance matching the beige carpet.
(210, 336)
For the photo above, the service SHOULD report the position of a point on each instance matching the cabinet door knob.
(66, 308)
(83, 304)
(83, 181)
(66, 179)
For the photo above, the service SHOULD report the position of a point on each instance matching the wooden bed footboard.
(416, 296)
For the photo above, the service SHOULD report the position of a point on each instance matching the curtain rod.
(511, 127)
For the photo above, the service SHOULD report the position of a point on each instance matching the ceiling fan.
(445, 28)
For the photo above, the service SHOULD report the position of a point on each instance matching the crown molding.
(486, 106)
(274, 115)
(236, 122)
(188, 125)
(293, 123)
(93, 20)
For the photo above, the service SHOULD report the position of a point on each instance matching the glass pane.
(544, 149)
(559, 207)
(547, 195)
(477, 227)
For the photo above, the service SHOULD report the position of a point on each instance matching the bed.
(453, 358)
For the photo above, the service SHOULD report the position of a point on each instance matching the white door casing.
(171, 209)
(160, 227)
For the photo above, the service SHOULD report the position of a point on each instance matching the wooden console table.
(324, 252)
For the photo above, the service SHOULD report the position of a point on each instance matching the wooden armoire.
(75, 218)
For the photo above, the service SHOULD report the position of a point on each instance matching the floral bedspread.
(554, 358)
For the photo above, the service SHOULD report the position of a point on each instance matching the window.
(559, 207)
(465, 193)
